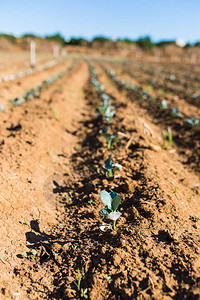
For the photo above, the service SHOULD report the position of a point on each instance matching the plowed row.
(52, 157)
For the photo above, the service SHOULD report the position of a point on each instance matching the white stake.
(157, 57)
(137, 55)
(193, 58)
(64, 52)
(32, 54)
(55, 51)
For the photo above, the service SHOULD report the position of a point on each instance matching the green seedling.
(84, 293)
(78, 285)
(105, 104)
(24, 222)
(104, 227)
(108, 278)
(109, 113)
(193, 122)
(110, 167)
(152, 99)
(30, 180)
(167, 138)
(164, 104)
(75, 248)
(68, 198)
(149, 88)
(164, 144)
(56, 113)
(145, 95)
(27, 131)
(191, 195)
(175, 113)
(172, 77)
(175, 190)
(111, 139)
(196, 218)
(160, 91)
(112, 201)
(30, 255)
(170, 137)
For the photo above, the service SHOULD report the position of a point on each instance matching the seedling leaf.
(113, 195)
(114, 215)
(106, 198)
(115, 202)
(105, 210)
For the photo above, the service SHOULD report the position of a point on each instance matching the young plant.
(164, 104)
(109, 113)
(167, 138)
(84, 293)
(111, 139)
(108, 278)
(105, 104)
(170, 137)
(78, 283)
(30, 255)
(56, 113)
(175, 113)
(112, 201)
(110, 167)
(193, 122)
(175, 190)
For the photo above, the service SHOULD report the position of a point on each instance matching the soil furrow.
(153, 253)
(35, 149)
(185, 138)
(18, 87)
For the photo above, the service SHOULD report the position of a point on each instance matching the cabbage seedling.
(104, 105)
(110, 167)
(111, 139)
(175, 113)
(109, 113)
(172, 77)
(112, 201)
(164, 104)
(193, 122)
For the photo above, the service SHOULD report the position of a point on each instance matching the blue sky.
(160, 19)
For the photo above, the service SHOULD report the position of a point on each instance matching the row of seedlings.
(172, 75)
(170, 87)
(188, 93)
(35, 92)
(141, 94)
(107, 111)
(30, 71)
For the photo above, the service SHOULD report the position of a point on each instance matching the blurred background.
(159, 31)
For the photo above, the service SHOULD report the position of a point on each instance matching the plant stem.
(109, 144)
(110, 174)
(114, 225)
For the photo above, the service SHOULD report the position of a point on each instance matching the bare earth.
(52, 153)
